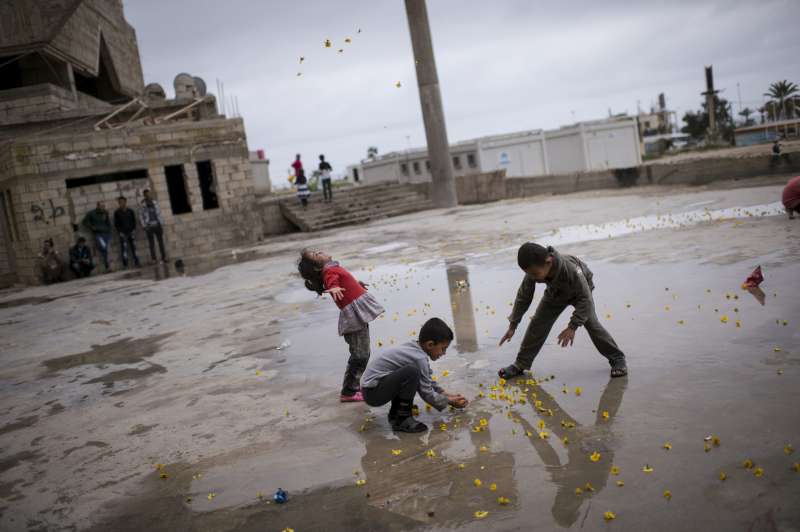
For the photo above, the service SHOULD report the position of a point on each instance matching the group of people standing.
(301, 181)
(99, 223)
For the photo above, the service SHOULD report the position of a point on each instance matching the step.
(349, 198)
(324, 210)
(377, 215)
(316, 217)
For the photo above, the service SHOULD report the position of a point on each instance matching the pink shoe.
(355, 398)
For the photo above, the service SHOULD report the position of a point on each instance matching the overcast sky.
(504, 65)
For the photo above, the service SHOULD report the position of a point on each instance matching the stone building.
(78, 126)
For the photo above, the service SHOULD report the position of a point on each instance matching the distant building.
(78, 126)
(767, 132)
(259, 164)
(585, 146)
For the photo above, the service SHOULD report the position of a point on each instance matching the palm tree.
(781, 91)
(746, 112)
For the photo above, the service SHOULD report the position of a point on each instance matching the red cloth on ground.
(791, 194)
(337, 276)
(755, 279)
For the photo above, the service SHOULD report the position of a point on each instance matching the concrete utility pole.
(444, 187)
(711, 95)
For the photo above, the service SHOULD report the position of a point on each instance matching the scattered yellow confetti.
(492, 487)
(480, 514)
(360, 482)
(758, 472)
(397, 452)
(748, 464)
(398, 85)
(738, 324)
(594, 457)
(608, 516)
(211, 496)
(483, 449)
(578, 491)
(578, 390)
(588, 487)
(788, 449)
(614, 470)
(188, 500)
(724, 318)
(777, 349)
(484, 422)
(258, 373)
(380, 344)
(348, 40)
(620, 483)
(502, 501)
(681, 322)
(327, 43)
(462, 466)
(667, 446)
(159, 467)
(780, 372)
(541, 424)
(477, 482)
(163, 475)
(722, 475)
(287, 529)
(431, 453)
(796, 467)
(667, 494)
(647, 469)
(605, 414)
(565, 440)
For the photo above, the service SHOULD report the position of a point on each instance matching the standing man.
(150, 216)
(99, 223)
(125, 223)
(51, 266)
(325, 170)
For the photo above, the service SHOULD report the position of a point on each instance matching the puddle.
(124, 351)
(35, 300)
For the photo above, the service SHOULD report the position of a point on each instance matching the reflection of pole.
(461, 303)
(443, 185)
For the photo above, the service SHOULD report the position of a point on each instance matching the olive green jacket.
(569, 283)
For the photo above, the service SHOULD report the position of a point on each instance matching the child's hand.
(363, 285)
(457, 400)
(337, 292)
(507, 336)
(566, 337)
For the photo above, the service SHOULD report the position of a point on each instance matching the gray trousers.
(359, 356)
(543, 320)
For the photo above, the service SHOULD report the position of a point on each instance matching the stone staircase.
(354, 205)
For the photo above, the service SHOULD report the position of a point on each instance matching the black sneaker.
(408, 424)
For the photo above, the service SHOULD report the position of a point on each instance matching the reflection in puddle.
(583, 233)
(125, 351)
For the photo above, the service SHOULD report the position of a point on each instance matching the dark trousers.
(327, 190)
(543, 320)
(81, 269)
(126, 242)
(156, 232)
(359, 356)
(400, 385)
(103, 242)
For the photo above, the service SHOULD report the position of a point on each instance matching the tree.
(780, 92)
(746, 112)
(372, 152)
(697, 122)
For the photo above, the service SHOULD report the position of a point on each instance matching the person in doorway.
(791, 197)
(399, 373)
(99, 223)
(153, 225)
(325, 176)
(569, 282)
(80, 259)
(51, 267)
(302, 188)
(125, 224)
(357, 308)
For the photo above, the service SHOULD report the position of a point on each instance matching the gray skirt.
(359, 313)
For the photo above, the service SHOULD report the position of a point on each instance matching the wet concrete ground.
(226, 375)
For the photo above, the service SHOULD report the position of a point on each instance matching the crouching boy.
(399, 373)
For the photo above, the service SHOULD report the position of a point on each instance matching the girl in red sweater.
(324, 276)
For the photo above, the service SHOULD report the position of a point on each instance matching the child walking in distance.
(399, 373)
(569, 282)
(324, 276)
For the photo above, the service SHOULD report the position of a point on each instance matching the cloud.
(503, 66)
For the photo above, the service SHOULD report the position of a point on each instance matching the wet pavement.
(181, 399)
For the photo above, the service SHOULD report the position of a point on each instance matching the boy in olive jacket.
(569, 282)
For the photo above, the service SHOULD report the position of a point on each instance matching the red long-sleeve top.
(334, 275)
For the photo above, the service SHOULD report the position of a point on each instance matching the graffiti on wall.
(41, 213)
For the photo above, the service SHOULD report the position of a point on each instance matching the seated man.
(80, 259)
(51, 266)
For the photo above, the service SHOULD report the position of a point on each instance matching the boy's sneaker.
(355, 398)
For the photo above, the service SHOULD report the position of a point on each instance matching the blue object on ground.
(281, 496)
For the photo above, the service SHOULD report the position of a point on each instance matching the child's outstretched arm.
(330, 279)
(521, 305)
